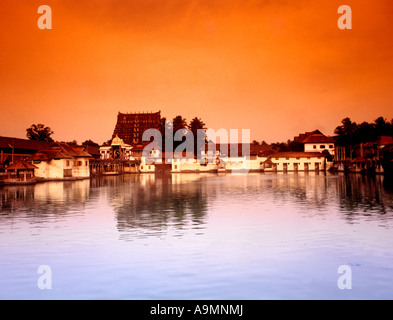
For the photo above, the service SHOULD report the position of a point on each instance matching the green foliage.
(39, 133)
(90, 143)
(351, 133)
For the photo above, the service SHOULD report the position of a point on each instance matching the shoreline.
(4, 183)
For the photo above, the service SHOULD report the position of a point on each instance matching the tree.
(347, 132)
(72, 143)
(107, 143)
(164, 129)
(39, 133)
(197, 125)
(179, 123)
(328, 156)
(90, 143)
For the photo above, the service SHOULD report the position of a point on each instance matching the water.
(192, 236)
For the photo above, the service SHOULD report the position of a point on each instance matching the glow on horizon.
(278, 68)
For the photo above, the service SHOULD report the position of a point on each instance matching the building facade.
(62, 161)
(295, 161)
(118, 150)
(316, 141)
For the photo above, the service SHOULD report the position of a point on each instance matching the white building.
(61, 161)
(295, 161)
(117, 150)
(317, 142)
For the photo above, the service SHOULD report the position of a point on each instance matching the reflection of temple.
(149, 205)
(117, 150)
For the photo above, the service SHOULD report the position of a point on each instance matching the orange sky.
(277, 67)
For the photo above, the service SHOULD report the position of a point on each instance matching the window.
(67, 163)
(322, 146)
(331, 146)
(314, 146)
(86, 163)
(79, 163)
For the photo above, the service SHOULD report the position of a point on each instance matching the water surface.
(190, 236)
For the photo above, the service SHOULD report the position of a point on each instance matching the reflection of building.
(117, 150)
(130, 126)
(62, 160)
(56, 197)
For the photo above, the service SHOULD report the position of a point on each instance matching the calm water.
(198, 237)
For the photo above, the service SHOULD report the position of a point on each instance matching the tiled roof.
(297, 155)
(60, 150)
(306, 134)
(21, 165)
(385, 140)
(317, 138)
(238, 148)
(25, 144)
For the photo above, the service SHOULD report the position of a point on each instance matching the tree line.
(346, 134)
(40, 132)
(351, 133)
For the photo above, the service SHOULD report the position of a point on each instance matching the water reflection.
(156, 205)
(153, 205)
(363, 196)
(57, 198)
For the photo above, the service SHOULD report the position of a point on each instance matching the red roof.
(25, 144)
(297, 155)
(239, 148)
(385, 140)
(306, 134)
(21, 165)
(317, 138)
(61, 150)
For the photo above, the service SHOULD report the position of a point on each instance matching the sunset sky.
(277, 67)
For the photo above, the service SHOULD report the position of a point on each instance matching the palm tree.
(179, 123)
(198, 128)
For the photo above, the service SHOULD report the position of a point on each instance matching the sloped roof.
(359, 159)
(239, 148)
(305, 135)
(385, 140)
(61, 150)
(317, 138)
(297, 155)
(21, 165)
(25, 144)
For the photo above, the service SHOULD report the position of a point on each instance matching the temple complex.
(130, 126)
